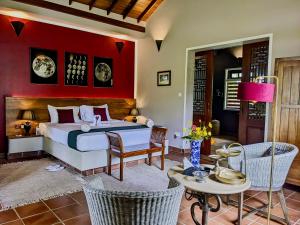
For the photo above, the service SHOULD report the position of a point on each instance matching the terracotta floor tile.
(32, 209)
(292, 204)
(16, 222)
(71, 211)
(79, 196)
(230, 217)
(59, 202)
(81, 220)
(295, 196)
(47, 218)
(293, 214)
(8, 215)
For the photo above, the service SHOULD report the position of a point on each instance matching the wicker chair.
(133, 208)
(258, 171)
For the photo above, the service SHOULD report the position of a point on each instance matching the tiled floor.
(72, 210)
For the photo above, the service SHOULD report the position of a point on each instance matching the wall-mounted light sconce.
(158, 44)
(18, 26)
(120, 46)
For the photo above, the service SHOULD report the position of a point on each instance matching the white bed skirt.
(86, 160)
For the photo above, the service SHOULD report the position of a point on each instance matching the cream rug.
(27, 182)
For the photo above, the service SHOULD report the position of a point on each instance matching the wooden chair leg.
(109, 164)
(162, 160)
(121, 169)
(283, 206)
(150, 159)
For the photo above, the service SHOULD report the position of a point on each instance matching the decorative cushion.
(279, 149)
(101, 112)
(65, 116)
(54, 115)
(87, 112)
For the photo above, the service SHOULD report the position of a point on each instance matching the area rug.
(28, 182)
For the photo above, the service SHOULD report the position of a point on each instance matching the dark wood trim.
(146, 10)
(112, 5)
(91, 4)
(129, 8)
(70, 2)
(82, 14)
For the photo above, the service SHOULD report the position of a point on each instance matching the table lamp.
(29, 116)
(262, 92)
(134, 112)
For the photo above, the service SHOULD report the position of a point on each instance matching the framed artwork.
(76, 70)
(164, 78)
(103, 72)
(43, 66)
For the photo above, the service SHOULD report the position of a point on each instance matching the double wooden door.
(252, 116)
(202, 94)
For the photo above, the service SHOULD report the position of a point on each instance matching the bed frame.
(87, 163)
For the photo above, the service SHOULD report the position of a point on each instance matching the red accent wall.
(15, 68)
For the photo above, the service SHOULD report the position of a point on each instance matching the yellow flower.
(209, 125)
(184, 130)
(212, 141)
(209, 133)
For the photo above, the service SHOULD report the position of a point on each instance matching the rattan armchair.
(133, 208)
(258, 171)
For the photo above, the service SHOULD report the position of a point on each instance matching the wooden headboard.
(118, 108)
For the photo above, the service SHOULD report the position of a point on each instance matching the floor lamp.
(263, 92)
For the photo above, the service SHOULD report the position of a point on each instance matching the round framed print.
(103, 72)
(43, 66)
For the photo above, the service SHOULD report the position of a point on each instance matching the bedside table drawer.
(25, 144)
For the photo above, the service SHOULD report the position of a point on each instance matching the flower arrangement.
(198, 133)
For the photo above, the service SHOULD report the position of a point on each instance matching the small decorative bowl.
(200, 175)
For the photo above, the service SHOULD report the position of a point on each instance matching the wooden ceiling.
(137, 9)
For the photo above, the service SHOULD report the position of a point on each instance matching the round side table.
(208, 188)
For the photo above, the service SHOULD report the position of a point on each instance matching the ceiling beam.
(146, 10)
(82, 14)
(129, 8)
(111, 7)
(91, 4)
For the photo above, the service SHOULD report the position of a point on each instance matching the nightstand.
(24, 146)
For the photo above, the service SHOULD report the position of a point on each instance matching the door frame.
(189, 58)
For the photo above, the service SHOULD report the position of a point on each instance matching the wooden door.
(252, 116)
(288, 117)
(202, 96)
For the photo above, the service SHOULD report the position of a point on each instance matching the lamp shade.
(134, 112)
(256, 92)
(28, 115)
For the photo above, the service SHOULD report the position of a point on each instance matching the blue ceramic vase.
(195, 152)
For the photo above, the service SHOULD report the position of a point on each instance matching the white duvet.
(96, 140)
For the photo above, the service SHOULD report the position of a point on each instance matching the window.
(233, 77)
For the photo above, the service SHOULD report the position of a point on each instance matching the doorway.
(231, 63)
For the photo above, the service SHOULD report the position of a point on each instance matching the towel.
(85, 127)
(145, 121)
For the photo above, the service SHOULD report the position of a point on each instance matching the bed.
(90, 152)
(92, 148)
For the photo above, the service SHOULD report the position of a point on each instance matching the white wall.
(199, 22)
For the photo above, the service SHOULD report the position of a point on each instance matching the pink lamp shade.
(256, 92)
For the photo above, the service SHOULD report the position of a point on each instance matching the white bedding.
(96, 140)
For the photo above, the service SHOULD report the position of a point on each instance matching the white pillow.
(54, 115)
(87, 112)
